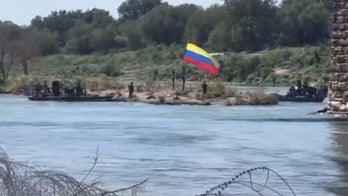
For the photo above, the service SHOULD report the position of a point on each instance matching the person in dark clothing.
(37, 89)
(205, 89)
(55, 87)
(78, 90)
(274, 80)
(299, 87)
(298, 84)
(130, 90)
(45, 89)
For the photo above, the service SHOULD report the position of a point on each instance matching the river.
(183, 150)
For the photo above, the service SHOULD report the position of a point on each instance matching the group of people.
(44, 90)
(78, 90)
(41, 90)
(303, 90)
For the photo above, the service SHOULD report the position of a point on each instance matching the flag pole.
(183, 70)
(173, 78)
(183, 77)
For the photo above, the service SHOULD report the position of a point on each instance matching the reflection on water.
(183, 150)
(340, 144)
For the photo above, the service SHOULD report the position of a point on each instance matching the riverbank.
(278, 66)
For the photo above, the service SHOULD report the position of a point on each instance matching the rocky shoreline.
(172, 98)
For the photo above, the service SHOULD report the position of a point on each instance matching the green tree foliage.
(237, 25)
(49, 42)
(135, 9)
(254, 21)
(203, 22)
(10, 34)
(132, 32)
(102, 40)
(166, 24)
(304, 22)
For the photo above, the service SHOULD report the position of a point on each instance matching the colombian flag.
(201, 59)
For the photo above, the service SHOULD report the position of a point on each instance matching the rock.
(149, 93)
(119, 97)
(176, 98)
(151, 97)
(231, 101)
(334, 105)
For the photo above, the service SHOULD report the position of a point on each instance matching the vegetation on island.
(255, 41)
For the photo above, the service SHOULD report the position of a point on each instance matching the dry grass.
(218, 89)
(101, 83)
(260, 98)
(22, 83)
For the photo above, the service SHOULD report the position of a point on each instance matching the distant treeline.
(237, 25)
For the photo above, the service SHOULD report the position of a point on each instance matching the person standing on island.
(130, 90)
(45, 90)
(205, 89)
(37, 88)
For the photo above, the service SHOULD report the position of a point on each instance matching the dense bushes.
(237, 25)
(158, 32)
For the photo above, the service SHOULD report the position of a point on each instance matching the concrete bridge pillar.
(338, 70)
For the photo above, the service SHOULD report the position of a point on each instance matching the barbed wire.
(219, 189)
(18, 179)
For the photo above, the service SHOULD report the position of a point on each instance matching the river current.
(182, 150)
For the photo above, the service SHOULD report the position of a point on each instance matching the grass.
(157, 62)
(217, 89)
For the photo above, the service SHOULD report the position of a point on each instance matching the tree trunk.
(25, 67)
(2, 68)
(3, 72)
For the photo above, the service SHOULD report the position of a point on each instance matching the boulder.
(231, 101)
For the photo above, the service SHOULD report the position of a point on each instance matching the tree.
(304, 22)
(79, 39)
(255, 19)
(166, 24)
(9, 35)
(132, 31)
(220, 38)
(58, 22)
(97, 17)
(102, 40)
(48, 41)
(28, 47)
(202, 23)
(135, 9)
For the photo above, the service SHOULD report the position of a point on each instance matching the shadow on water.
(340, 145)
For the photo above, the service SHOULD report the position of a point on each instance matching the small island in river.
(216, 93)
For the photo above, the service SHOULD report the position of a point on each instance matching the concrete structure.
(339, 59)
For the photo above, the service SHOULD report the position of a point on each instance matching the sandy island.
(170, 97)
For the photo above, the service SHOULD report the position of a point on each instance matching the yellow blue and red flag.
(201, 59)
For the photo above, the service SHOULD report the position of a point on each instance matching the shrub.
(219, 90)
(101, 83)
(260, 98)
(110, 70)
